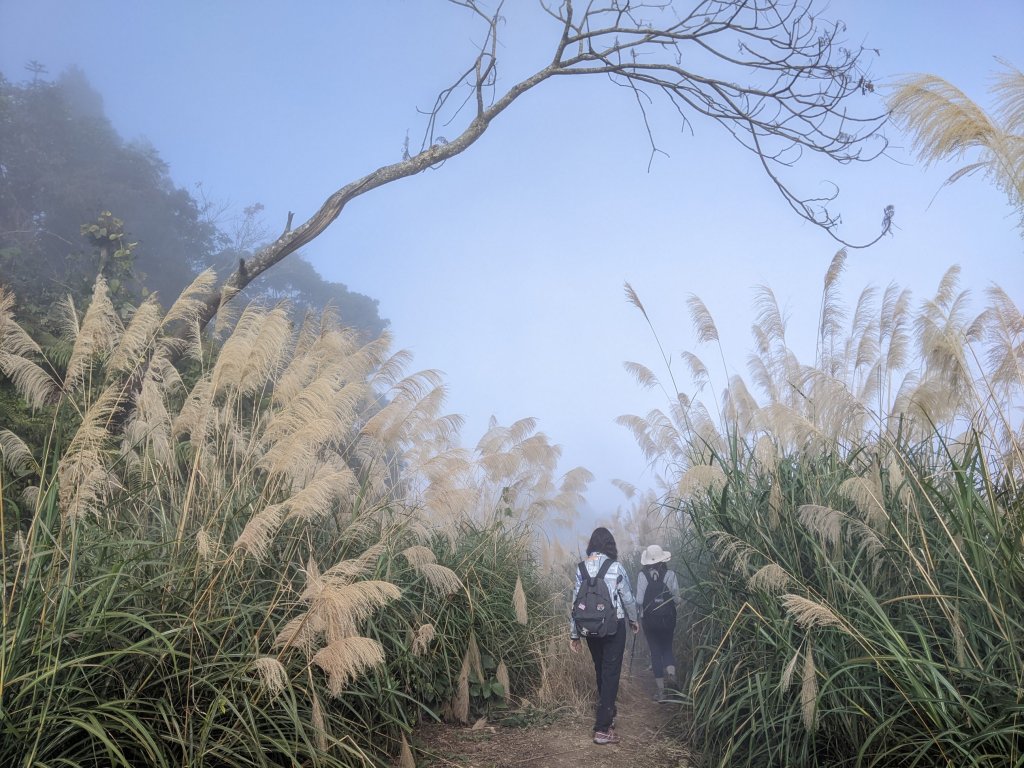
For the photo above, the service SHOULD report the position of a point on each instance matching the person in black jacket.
(657, 592)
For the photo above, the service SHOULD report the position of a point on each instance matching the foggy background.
(505, 267)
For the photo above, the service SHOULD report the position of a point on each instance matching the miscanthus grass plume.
(851, 533)
(272, 552)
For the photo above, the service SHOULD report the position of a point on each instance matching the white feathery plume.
(272, 675)
(441, 578)
(826, 523)
(30, 380)
(96, 337)
(809, 688)
(501, 676)
(643, 375)
(258, 533)
(30, 496)
(866, 495)
(770, 578)
(703, 323)
(206, 546)
(346, 571)
(187, 306)
(340, 609)
(346, 658)
(474, 658)
(425, 633)
(137, 337)
(316, 499)
(519, 602)
(319, 722)
(418, 555)
(15, 454)
(701, 478)
(405, 758)
(13, 338)
(787, 673)
(300, 632)
(808, 613)
(460, 701)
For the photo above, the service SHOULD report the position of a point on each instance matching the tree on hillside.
(64, 165)
(770, 72)
(77, 200)
(947, 125)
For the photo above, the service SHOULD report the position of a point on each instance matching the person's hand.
(575, 644)
(634, 626)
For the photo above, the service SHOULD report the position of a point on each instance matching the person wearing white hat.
(657, 592)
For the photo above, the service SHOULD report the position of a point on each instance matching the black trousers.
(659, 640)
(607, 653)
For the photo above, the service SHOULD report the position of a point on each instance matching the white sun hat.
(654, 554)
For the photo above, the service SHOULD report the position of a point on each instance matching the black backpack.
(593, 609)
(659, 607)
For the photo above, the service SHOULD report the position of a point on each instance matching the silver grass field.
(269, 552)
(851, 533)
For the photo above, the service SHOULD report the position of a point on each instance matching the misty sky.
(505, 267)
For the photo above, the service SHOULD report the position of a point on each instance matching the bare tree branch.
(765, 70)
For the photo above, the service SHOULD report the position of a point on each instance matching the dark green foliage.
(924, 660)
(65, 168)
(125, 651)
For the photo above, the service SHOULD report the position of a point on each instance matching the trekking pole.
(632, 653)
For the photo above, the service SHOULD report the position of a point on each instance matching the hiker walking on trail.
(602, 603)
(657, 592)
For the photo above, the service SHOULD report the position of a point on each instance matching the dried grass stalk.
(256, 537)
(501, 675)
(272, 675)
(519, 602)
(787, 673)
(300, 632)
(347, 571)
(809, 614)
(460, 701)
(824, 522)
(701, 478)
(421, 639)
(340, 609)
(418, 555)
(867, 497)
(473, 657)
(770, 578)
(16, 455)
(346, 658)
(441, 579)
(405, 758)
(809, 689)
(319, 723)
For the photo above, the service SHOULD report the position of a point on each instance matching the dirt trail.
(647, 733)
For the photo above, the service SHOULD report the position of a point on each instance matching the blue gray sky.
(505, 267)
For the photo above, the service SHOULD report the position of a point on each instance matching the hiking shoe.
(606, 737)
